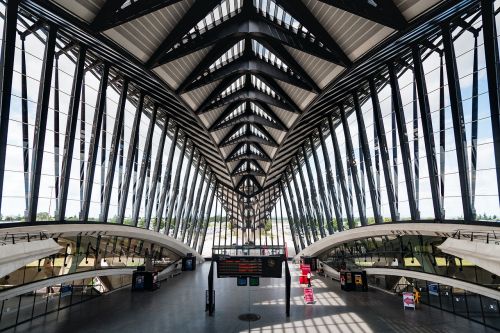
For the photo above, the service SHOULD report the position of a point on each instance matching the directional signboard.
(408, 300)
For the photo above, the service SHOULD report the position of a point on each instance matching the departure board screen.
(249, 266)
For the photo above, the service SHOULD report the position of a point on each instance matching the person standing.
(309, 279)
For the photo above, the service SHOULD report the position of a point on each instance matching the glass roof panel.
(221, 13)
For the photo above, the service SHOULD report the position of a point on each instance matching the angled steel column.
(307, 201)
(281, 217)
(416, 149)
(263, 224)
(186, 209)
(321, 186)
(146, 157)
(276, 218)
(57, 153)
(200, 217)
(113, 153)
(353, 165)
(206, 220)
(290, 221)
(492, 71)
(6, 73)
(395, 173)
(121, 151)
(175, 186)
(134, 172)
(442, 130)
(195, 206)
(94, 142)
(362, 172)
(82, 142)
(457, 113)
(304, 219)
(146, 190)
(41, 122)
(430, 147)
(314, 193)
(232, 218)
(182, 198)
(331, 185)
(167, 176)
(156, 173)
(69, 142)
(379, 124)
(129, 163)
(474, 121)
(104, 129)
(298, 218)
(340, 171)
(215, 222)
(403, 140)
(221, 221)
(24, 110)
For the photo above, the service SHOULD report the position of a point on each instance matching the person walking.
(309, 279)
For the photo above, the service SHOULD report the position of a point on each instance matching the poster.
(309, 295)
(408, 300)
(433, 289)
(139, 282)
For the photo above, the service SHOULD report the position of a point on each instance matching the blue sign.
(433, 289)
(241, 281)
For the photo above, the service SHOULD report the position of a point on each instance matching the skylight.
(235, 113)
(275, 13)
(221, 13)
(238, 133)
(233, 87)
(260, 85)
(262, 52)
(230, 55)
(254, 150)
(257, 132)
(258, 111)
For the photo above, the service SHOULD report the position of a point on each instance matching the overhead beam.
(107, 11)
(248, 138)
(244, 95)
(384, 12)
(254, 26)
(246, 118)
(133, 11)
(252, 65)
(196, 13)
(301, 12)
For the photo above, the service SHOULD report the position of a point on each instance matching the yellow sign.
(358, 280)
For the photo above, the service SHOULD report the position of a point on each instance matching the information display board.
(268, 266)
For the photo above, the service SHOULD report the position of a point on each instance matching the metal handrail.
(13, 238)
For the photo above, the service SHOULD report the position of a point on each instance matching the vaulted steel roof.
(246, 79)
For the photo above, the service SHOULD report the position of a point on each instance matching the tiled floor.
(179, 307)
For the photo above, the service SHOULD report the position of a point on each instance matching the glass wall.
(125, 149)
